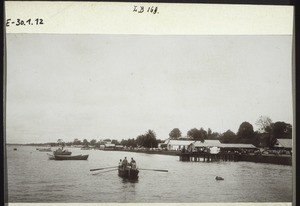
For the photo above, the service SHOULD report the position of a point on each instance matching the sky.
(120, 86)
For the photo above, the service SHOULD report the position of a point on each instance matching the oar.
(154, 170)
(104, 171)
(103, 168)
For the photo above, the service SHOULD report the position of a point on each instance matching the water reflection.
(124, 180)
(128, 189)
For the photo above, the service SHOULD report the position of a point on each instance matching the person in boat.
(133, 163)
(125, 162)
(59, 150)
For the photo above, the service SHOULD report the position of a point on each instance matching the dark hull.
(67, 157)
(128, 173)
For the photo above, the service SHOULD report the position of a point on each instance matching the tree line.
(266, 135)
(147, 140)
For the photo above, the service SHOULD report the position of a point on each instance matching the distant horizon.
(120, 86)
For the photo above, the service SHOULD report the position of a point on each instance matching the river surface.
(34, 178)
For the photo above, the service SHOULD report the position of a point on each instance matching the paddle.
(104, 171)
(103, 168)
(154, 170)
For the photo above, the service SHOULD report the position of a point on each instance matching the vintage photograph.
(112, 118)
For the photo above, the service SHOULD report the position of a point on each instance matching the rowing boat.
(128, 173)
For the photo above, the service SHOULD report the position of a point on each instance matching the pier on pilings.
(207, 157)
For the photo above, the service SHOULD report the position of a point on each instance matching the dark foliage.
(175, 133)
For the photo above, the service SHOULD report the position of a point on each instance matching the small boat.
(15, 148)
(69, 157)
(219, 178)
(60, 151)
(45, 149)
(128, 173)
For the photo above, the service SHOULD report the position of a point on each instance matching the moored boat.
(69, 157)
(128, 173)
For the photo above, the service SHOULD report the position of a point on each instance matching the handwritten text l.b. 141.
(149, 9)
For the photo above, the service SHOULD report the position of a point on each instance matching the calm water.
(34, 178)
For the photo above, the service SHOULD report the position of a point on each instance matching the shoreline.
(269, 159)
(161, 152)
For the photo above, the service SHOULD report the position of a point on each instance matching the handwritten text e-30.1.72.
(21, 22)
(142, 9)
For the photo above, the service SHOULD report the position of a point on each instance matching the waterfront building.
(237, 147)
(105, 145)
(119, 147)
(285, 144)
(215, 146)
(173, 144)
(109, 146)
(210, 146)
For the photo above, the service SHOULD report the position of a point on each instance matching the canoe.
(69, 157)
(128, 173)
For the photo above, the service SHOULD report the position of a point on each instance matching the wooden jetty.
(207, 157)
(234, 157)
